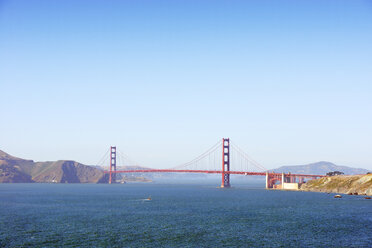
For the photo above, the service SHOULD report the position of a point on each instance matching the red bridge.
(224, 153)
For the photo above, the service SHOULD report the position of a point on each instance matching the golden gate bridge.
(225, 158)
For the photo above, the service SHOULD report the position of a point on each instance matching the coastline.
(350, 184)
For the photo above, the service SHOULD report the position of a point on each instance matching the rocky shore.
(355, 184)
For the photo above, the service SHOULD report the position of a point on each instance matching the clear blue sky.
(289, 81)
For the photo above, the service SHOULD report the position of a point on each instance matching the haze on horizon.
(290, 82)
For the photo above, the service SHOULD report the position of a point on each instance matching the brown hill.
(16, 170)
(361, 184)
(12, 174)
(11, 169)
(66, 171)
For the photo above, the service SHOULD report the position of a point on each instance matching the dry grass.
(341, 184)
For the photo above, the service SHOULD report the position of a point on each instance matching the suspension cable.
(210, 150)
(247, 157)
(103, 159)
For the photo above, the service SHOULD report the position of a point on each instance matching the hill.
(319, 168)
(11, 169)
(361, 184)
(17, 170)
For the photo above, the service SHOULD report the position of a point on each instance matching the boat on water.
(149, 198)
(337, 196)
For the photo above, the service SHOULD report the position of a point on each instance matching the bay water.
(179, 215)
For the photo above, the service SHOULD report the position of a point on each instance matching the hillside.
(319, 168)
(11, 169)
(12, 174)
(66, 171)
(17, 170)
(361, 184)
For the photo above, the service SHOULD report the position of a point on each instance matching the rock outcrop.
(360, 184)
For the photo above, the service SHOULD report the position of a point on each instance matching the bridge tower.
(112, 177)
(225, 163)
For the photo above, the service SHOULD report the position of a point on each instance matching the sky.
(290, 82)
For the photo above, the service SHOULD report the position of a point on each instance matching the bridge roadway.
(246, 173)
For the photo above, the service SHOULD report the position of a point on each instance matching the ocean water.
(179, 215)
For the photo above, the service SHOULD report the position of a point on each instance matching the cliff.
(361, 184)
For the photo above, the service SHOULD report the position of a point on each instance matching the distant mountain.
(319, 168)
(17, 170)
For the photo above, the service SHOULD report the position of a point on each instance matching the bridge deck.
(247, 173)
